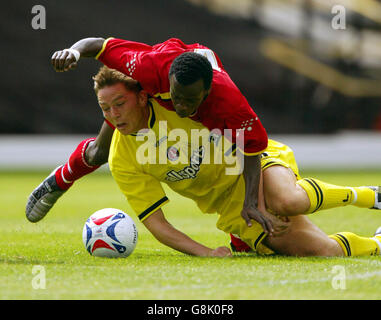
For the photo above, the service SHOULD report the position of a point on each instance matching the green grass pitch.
(154, 271)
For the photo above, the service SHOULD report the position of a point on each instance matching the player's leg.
(283, 196)
(288, 196)
(323, 195)
(355, 245)
(97, 152)
(286, 192)
(306, 239)
(302, 239)
(89, 155)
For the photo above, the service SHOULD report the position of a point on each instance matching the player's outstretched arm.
(66, 59)
(164, 232)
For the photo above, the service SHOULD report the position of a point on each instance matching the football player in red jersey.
(188, 79)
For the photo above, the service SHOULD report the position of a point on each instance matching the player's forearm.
(261, 195)
(252, 174)
(179, 241)
(164, 232)
(88, 47)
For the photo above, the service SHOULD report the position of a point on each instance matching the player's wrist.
(249, 205)
(74, 52)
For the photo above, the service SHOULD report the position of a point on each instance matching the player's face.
(125, 109)
(187, 99)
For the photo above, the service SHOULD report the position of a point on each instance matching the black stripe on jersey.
(318, 194)
(259, 239)
(136, 134)
(231, 150)
(345, 242)
(268, 164)
(152, 208)
(151, 122)
(153, 118)
(159, 96)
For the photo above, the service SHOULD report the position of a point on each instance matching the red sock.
(75, 168)
(238, 244)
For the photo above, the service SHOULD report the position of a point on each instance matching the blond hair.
(108, 77)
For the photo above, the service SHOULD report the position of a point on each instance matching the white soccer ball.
(110, 233)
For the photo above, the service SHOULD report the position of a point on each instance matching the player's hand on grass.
(220, 252)
(64, 60)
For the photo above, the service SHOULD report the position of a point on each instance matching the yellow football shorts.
(231, 221)
(278, 153)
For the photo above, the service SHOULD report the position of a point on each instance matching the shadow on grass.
(159, 258)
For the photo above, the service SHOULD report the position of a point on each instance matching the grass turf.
(154, 271)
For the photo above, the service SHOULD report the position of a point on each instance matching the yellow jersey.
(184, 154)
(194, 162)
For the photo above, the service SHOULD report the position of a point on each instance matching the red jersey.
(224, 108)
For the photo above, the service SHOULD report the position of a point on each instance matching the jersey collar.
(151, 120)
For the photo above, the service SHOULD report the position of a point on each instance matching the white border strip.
(347, 150)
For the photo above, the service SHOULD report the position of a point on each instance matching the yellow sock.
(323, 195)
(365, 197)
(354, 245)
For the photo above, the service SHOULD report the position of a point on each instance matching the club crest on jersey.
(190, 171)
(173, 153)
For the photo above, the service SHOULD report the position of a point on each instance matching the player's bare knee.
(286, 204)
(330, 249)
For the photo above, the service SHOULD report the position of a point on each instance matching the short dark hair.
(189, 67)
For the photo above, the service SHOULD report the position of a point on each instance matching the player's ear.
(143, 97)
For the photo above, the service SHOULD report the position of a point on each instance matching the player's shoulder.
(224, 89)
(176, 44)
(225, 100)
(122, 151)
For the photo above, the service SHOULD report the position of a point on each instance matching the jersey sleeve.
(134, 59)
(143, 192)
(249, 134)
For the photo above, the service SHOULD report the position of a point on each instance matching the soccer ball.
(110, 233)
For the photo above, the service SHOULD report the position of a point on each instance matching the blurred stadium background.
(315, 88)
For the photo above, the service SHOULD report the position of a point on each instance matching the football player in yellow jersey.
(149, 147)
